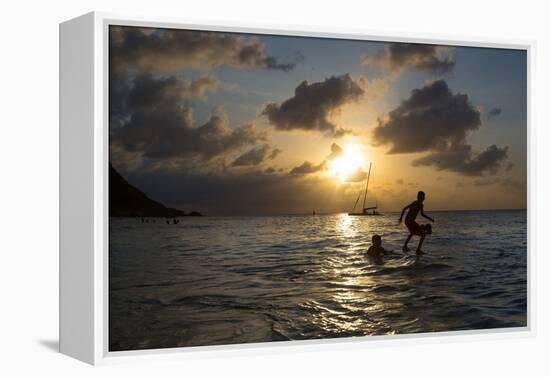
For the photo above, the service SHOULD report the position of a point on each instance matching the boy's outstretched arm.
(426, 216)
(403, 213)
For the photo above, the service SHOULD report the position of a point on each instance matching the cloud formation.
(431, 116)
(153, 120)
(308, 168)
(422, 57)
(149, 91)
(256, 156)
(494, 112)
(149, 105)
(169, 132)
(128, 94)
(153, 50)
(312, 105)
(461, 158)
(435, 120)
(335, 151)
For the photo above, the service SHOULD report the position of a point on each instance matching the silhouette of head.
(376, 240)
(421, 196)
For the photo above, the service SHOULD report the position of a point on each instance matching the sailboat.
(365, 211)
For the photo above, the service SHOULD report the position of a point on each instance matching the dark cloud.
(431, 116)
(274, 153)
(150, 49)
(272, 63)
(308, 168)
(494, 112)
(168, 132)
(128, 94)
(119, 88)
(312, 104)
(156, 122)
(256, 156)
(148, 91)
(398, 56)
(335, 151)
(435, 120)
(461, 158)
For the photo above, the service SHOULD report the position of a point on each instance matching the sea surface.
(226, 280)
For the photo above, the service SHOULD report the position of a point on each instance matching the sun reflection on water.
(346, 227)
(350, 301)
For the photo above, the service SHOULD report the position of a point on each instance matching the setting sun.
(348, 163)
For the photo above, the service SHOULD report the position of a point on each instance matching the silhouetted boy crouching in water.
(376, 251)
(412, 225)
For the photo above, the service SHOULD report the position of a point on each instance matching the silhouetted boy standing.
(412, 225)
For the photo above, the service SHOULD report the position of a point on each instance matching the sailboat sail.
(357, 201)
(367, 188)
(364, 211)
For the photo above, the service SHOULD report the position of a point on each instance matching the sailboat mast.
(367, 188)
(357, 201)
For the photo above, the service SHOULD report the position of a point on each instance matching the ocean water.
(226, 280)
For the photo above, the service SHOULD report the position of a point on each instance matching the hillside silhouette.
(126, 200)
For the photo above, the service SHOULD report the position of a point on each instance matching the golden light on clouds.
(265, 135)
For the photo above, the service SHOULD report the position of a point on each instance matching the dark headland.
(126, 200)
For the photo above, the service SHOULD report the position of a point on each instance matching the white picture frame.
(84, 188)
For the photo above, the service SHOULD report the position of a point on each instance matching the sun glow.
(349, 162)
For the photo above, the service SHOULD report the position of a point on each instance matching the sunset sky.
(230, 123)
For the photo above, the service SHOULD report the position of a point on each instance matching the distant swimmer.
(376, 250)
(412, 225)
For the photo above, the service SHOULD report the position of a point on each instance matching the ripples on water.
(223, 280)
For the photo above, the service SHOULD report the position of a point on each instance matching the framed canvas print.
(237, 187)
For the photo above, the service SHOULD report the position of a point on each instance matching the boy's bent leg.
(418, 249)
(405, 248)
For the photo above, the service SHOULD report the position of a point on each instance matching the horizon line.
(344, 212)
